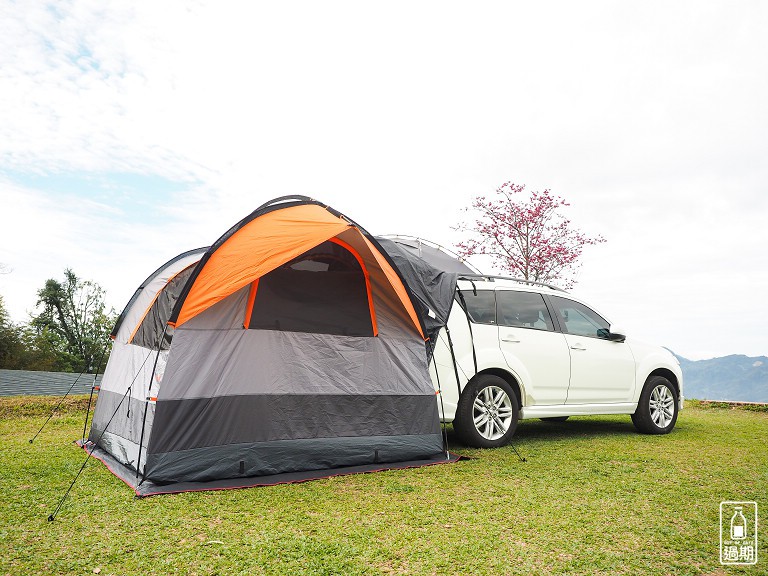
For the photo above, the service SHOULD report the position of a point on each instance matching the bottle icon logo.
(738, 533)
(738, 525)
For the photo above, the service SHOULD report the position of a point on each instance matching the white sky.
(132, 131)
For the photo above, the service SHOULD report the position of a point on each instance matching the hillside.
(736, 377)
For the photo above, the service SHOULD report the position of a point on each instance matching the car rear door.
(532, 347)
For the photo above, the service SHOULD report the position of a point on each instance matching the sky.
(133, 131)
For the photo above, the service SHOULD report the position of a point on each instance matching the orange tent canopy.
(265, 243)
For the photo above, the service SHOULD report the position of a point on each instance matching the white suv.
(527, 350)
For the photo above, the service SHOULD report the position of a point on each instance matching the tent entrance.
(326, 290)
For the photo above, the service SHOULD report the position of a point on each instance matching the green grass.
(714, 404)
(593, 497)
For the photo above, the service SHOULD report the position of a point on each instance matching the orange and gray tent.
(292, 348)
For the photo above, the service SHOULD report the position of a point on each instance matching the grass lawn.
(593, 497)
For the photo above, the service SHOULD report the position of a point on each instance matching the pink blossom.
(527, 237)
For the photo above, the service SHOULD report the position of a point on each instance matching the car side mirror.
(617, 334)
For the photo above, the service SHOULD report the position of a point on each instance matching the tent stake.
(518, 453)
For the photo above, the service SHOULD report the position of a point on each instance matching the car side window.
(481, 307)
(579, 320)
(523, 309)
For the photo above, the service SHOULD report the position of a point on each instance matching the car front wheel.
(487, 414)
(657, 409)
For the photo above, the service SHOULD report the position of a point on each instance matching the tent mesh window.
(323, 291)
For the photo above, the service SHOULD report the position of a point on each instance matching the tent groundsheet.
(149, 488)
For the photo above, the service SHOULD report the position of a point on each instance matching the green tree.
(73, 323)
(11, 347)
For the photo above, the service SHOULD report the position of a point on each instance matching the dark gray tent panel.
(431, 275)
(323, 291)
(183, 260)
(295, 345)
(431, 254)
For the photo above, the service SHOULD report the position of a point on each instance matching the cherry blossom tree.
(526, 235)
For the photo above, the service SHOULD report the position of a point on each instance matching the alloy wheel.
(662, 406)
(492, 412)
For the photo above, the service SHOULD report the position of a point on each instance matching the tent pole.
(469, 325)
(442, 411)
(453, 358)
(146, 401)
(93, 387)
(52, 516)
(88, 410)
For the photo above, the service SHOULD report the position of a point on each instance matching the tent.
(292, 348)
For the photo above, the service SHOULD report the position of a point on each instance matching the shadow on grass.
(534, 431)
(573, 428)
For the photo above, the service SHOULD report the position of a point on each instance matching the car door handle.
(578, 347)
(510, 338)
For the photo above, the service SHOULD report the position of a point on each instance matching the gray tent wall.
(288, 401)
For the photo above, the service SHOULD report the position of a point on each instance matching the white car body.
(555, 373)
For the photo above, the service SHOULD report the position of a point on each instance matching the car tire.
(487, 414)
(554, 419)
(657, 408)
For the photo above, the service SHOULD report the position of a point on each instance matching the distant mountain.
(736, 377)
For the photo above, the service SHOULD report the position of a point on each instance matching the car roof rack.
(492, 277)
